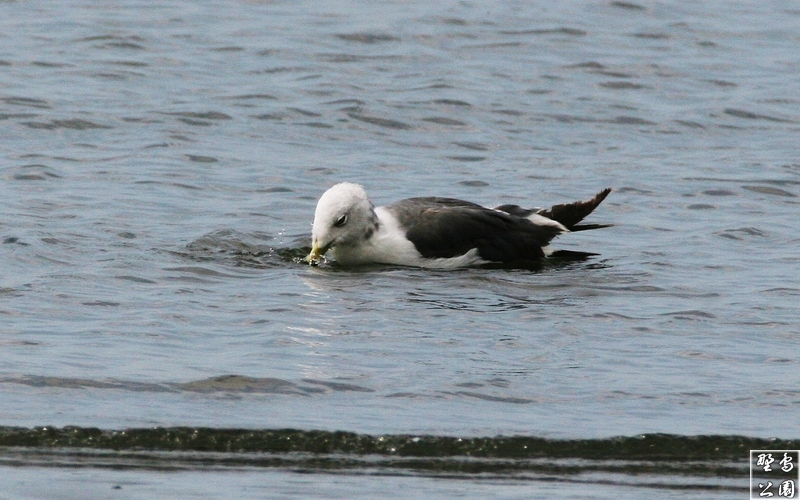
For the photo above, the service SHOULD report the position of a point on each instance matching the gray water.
(160, 166)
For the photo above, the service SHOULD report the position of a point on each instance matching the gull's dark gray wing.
(446, 227)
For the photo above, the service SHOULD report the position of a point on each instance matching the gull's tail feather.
(570, 214)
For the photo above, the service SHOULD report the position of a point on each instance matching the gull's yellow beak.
(316, 255)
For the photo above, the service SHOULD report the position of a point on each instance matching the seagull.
(440, 233)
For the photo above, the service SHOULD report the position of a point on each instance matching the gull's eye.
(341, 221)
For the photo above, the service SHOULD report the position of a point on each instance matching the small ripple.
(200, 271)
(748, 115)
(281, 69)
(31, 172)
(470, 385)
(652, 36)
(305, 112)
(8, 116)
(174, 184)
(9, 240)
(134, 64)
(27, 102)
(468, 158)
(632, 288)
(474, 146)
(741, 233)
(635, 190)
(338, 386)
(136, 279)
(623, 85)
(693, 354)
(15, 342)
(550, 31)
(349, 102)
(74, 124)
(719, 192)
(489, 397)
(690, 124)
(783, 291)
(492, 46)
(367, 38)
(353, 58)
(615, 74)
(228, 48)
(271, 116)
(723, 83)
(381, 122)
(253, 97)
(451, 102)
(441, 120)
(628, 5)
(781, 360)
(691, 314)
(201, 159)
(207, 115)
(119, 75)
(497, 399)
(630, 120)
(770, 191)
(242, 384)
(611, 315)
(78, 383)
(508, 112)
(116, 41)
(405, 395)
(592, 65)
(563, 118)
(316, 125)
(48, 64)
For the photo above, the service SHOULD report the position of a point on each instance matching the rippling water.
(160, 167)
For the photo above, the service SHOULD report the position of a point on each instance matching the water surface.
(160, 166)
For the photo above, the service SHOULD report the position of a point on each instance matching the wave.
(713, 462)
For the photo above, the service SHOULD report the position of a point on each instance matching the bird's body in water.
(438, 232)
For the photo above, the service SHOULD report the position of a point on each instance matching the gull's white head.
(344, 217)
